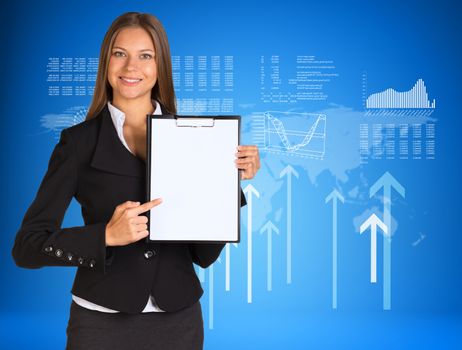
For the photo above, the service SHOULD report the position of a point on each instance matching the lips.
(130, 80)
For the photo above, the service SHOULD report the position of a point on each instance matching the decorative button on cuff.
(59, 253)
(69, 256)
(49, 249)
(80, 261)
(92, 263)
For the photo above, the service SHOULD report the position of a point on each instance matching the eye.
(146, 56)
(118, 53)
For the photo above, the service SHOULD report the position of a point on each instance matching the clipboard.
(190, 164)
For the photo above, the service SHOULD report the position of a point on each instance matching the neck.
(135, 110)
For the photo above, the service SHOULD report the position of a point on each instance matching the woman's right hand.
(126, 226)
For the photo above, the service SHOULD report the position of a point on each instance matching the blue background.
(396, 42)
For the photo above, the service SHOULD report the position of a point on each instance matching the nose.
(131, 63)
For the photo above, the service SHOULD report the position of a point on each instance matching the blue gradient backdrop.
(396, 42)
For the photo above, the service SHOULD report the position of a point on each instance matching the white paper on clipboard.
(191, 167)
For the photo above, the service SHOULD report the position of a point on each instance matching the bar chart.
(417, 97)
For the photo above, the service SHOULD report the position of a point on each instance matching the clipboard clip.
(195, 122)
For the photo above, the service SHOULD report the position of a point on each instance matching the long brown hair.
(163, 90)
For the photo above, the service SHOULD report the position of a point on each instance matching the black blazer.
(92, 165)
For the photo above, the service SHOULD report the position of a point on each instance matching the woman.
(127, 293)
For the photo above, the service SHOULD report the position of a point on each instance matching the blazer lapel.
(111, 155)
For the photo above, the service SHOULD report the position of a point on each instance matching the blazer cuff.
(205, 254)
(82, 246)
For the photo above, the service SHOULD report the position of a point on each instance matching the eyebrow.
(118, 47)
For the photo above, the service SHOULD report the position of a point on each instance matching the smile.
(130, 81)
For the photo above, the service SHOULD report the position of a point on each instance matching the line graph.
(289, 133)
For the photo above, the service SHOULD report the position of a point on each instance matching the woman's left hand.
(248, 160)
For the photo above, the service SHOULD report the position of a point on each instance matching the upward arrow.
(387, 182)
(334, 196)
(211, 293)
(373, 222)
(249, 189)
(228, 264)
(269, 228)
(289, 171)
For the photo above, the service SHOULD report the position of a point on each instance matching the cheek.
(111, 72)
(152, 69)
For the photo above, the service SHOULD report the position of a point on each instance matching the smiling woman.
(132, 74)
(132, 71)
(128, 293)
(135, 43)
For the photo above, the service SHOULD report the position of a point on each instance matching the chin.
(133, 96)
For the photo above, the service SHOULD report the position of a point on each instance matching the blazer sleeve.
(40, 240)
(205, 254)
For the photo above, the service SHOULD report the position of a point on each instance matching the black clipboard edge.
(149, 118)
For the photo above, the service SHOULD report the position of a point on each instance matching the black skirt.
(94, 330)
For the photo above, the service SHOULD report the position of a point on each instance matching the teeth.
(131, 80)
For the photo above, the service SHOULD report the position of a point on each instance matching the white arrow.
(269, 228)
(334, 195)
(211, 294)
(373, 222)
(387, 182)
(249, 190)
(228, 263)
(289, 171)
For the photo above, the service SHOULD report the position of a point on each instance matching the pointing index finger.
(147, 206)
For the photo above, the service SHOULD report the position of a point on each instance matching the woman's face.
(132, 70)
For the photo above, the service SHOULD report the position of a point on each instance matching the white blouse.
(118, 118)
